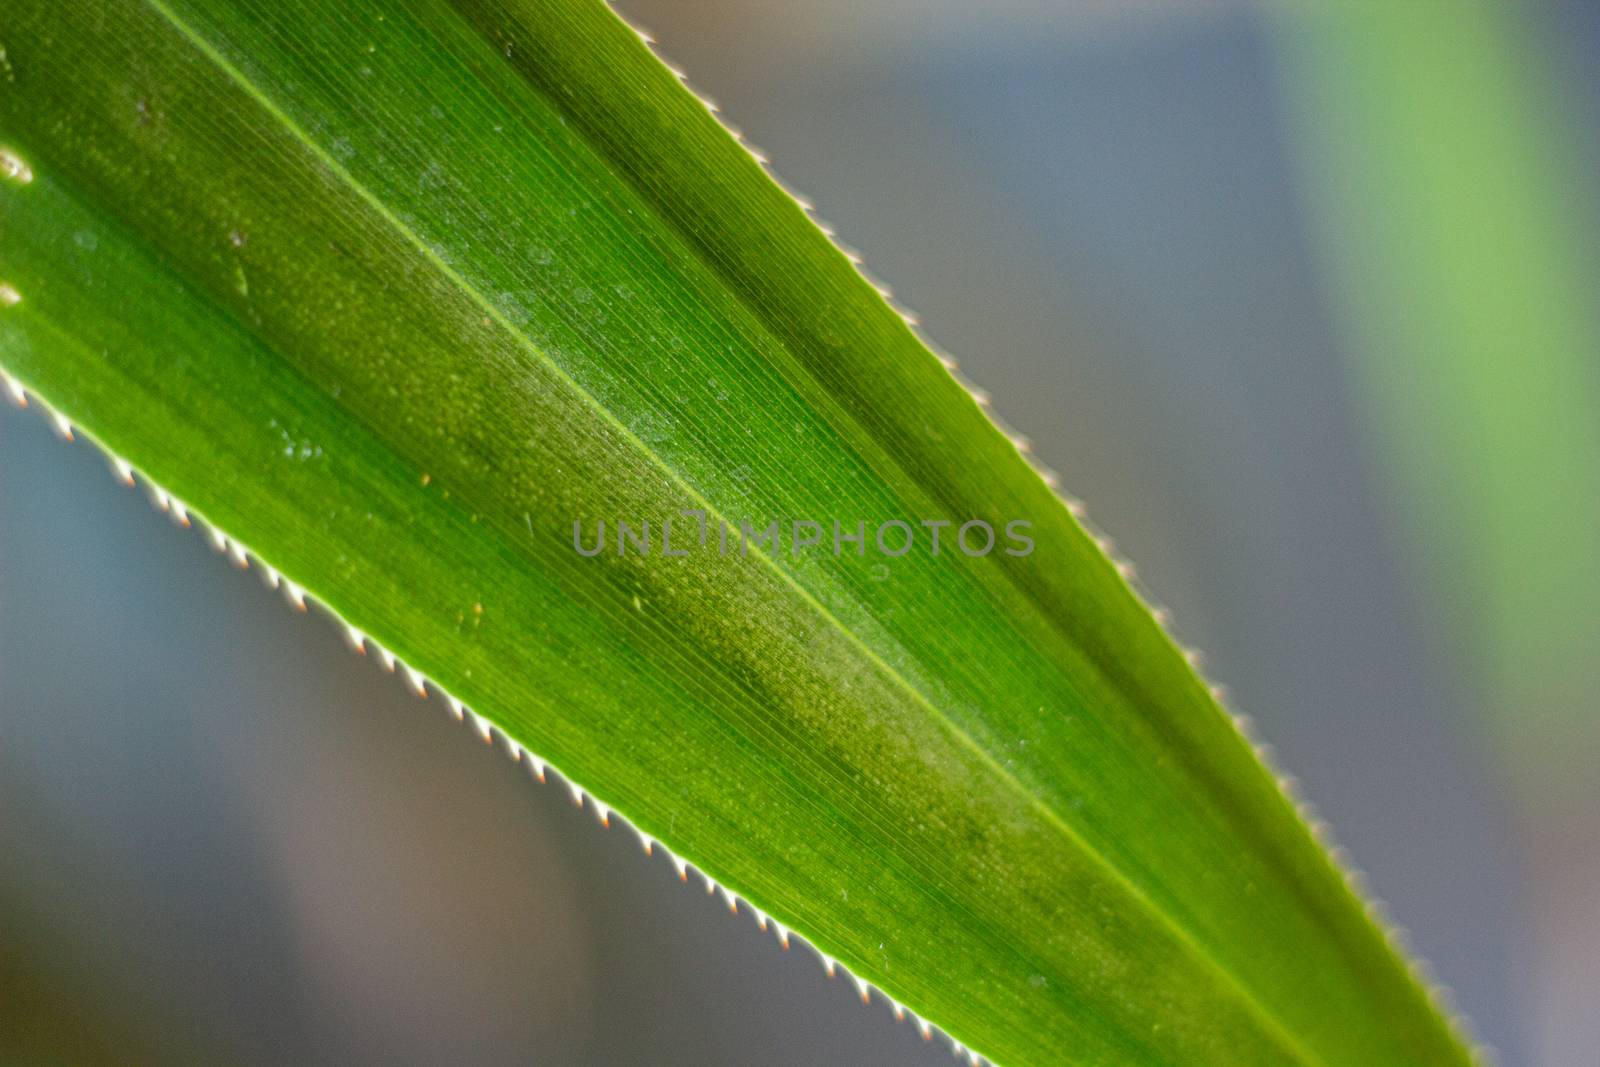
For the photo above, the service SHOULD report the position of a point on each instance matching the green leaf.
(392, 297)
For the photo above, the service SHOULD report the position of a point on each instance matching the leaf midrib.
(1181, 935)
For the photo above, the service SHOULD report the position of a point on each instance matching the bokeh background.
(1300, 300)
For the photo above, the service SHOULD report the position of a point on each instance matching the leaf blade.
(837, 707)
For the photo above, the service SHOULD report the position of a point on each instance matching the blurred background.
(1300, 300)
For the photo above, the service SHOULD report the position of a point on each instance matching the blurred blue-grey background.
(1301, 304)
